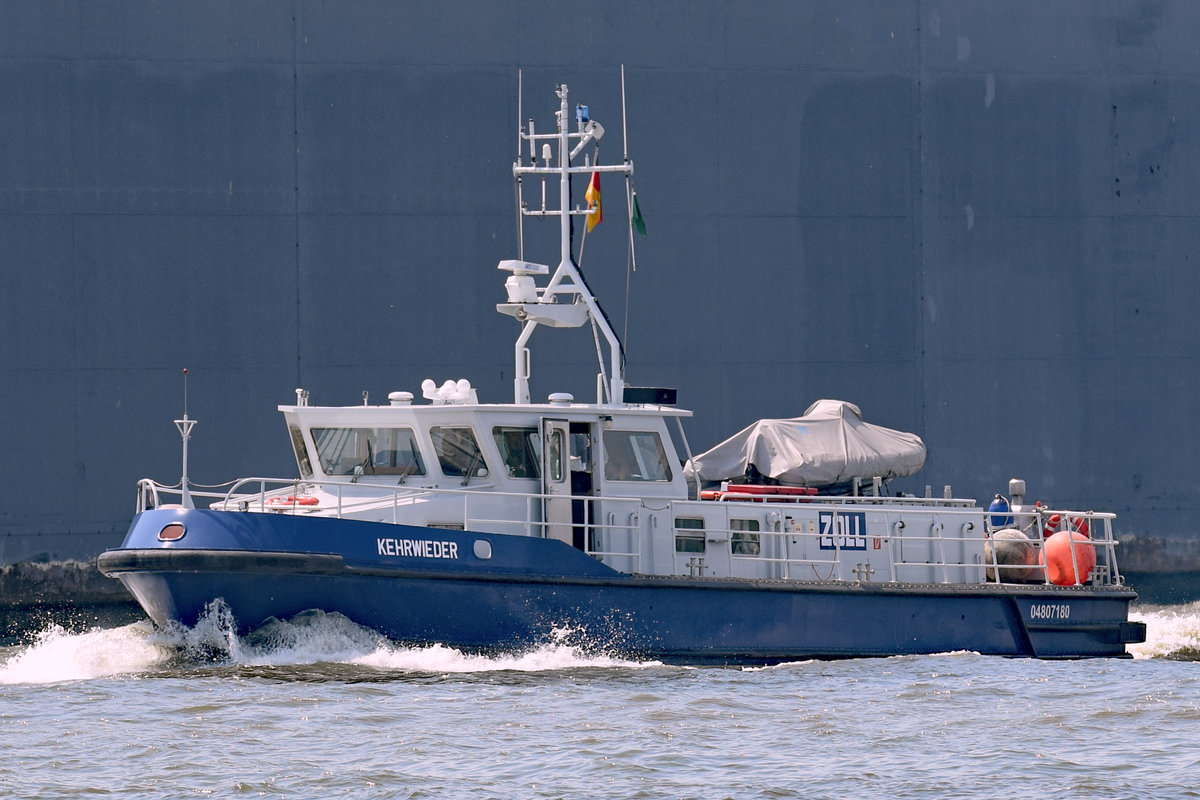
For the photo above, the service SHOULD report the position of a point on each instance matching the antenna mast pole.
(566, 301)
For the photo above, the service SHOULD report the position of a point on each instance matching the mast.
(565, 301)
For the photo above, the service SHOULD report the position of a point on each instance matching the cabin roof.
(572, 410)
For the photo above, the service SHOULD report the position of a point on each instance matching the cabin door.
(556, 479)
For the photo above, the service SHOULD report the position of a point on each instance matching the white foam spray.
(59, 655)
(312, 637)
(1171, 631)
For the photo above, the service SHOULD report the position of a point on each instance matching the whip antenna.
(517, 182)
(624, 132)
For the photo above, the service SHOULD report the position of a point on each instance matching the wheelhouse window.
(520, 450)
(458, 452)
(635, 456)
(368, 451)
(689, 535)
(301, 450)
(743, 540)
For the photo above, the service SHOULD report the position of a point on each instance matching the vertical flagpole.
(628, 209)
(185, 432)
(628, 182)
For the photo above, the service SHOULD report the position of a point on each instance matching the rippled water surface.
(319, 707)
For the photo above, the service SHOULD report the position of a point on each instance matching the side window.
(635, 456)
(520, 450)
(301, 452)
(458, 452)
(689, 535)
(743, 540)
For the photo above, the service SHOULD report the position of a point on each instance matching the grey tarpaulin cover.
(830, 444)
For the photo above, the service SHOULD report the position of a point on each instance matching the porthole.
(172, 532)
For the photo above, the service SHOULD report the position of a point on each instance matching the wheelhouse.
(618, 450)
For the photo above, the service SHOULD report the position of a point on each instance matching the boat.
(507, 526)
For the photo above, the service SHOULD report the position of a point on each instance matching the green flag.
(639, 224)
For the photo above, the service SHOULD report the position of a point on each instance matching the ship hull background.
(532, 592)
(977, 221)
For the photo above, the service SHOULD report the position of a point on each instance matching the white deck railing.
(948, 527)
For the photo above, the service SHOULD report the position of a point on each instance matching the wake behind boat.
(500, 526)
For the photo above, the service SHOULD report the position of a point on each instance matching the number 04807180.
(1050, 611)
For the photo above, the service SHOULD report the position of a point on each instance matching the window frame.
(745, 542)
(640, 451)
(696, 534)
(467, 451)
(528, 459)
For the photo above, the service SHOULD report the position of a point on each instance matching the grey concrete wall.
(977, 220)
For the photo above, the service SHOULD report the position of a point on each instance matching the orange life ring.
(752, 488)
(290, 501)
(755, 493)
(1055, 524)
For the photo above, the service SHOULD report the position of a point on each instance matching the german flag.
(593, 200)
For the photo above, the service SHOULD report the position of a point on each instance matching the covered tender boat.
(448, 519)
(829, 445)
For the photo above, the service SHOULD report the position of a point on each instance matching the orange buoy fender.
(1056, 556)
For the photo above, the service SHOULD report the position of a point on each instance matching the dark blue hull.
(533, 591)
